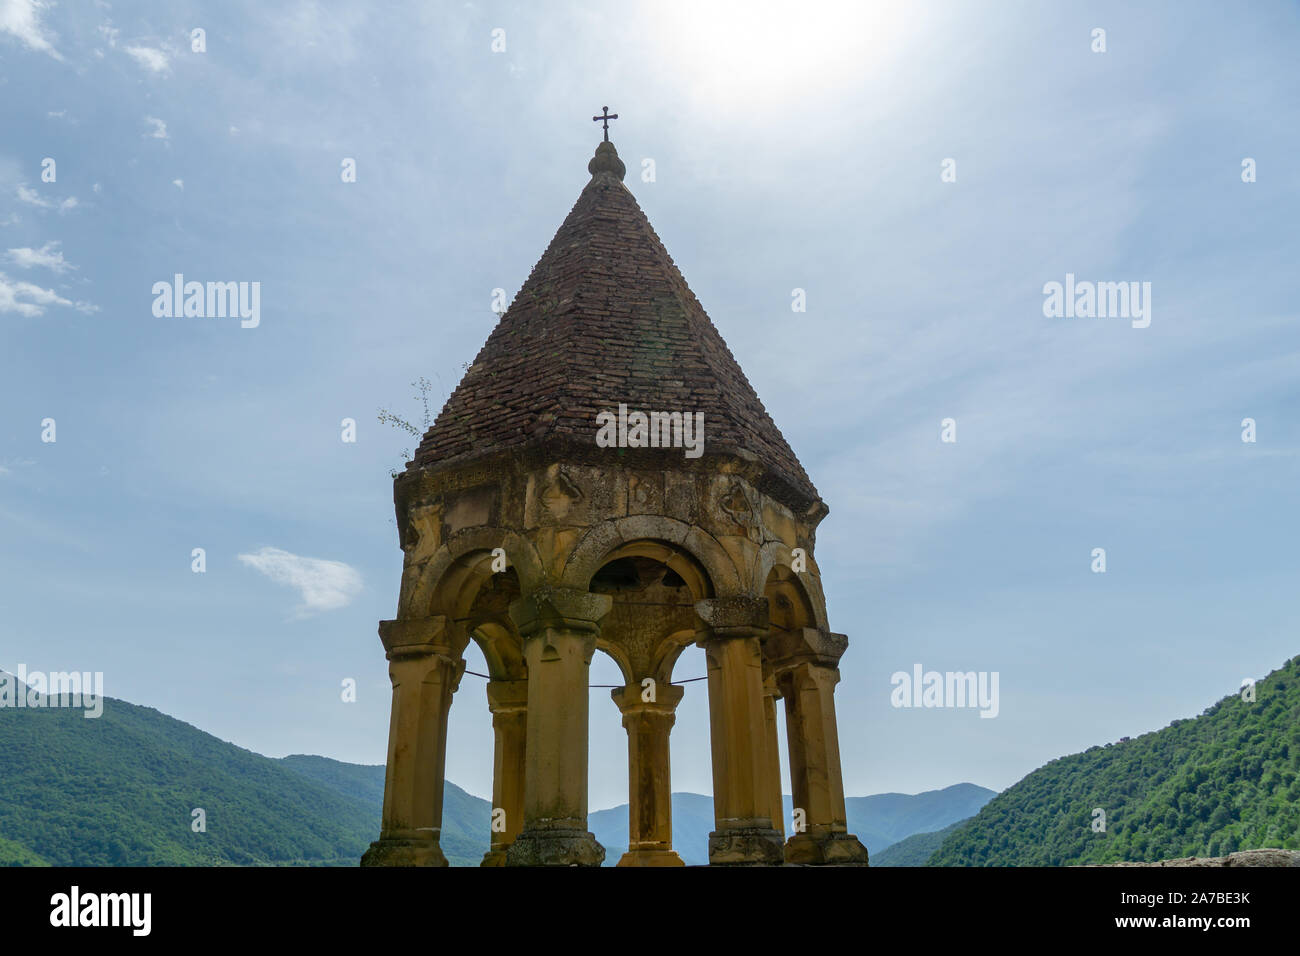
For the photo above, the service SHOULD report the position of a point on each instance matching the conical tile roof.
(605, 318)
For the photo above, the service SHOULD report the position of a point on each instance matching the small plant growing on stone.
(387, 417)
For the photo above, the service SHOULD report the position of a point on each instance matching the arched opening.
(692, 757)
(654, 586)
(607, 770)
(478, 599)
(790, 609)
(788, 602)
(467, 786)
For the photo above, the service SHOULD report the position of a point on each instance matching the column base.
(649, 857)
(403, 852)
(558, 847)
(827, 848)
(495, 857)
(746, 846)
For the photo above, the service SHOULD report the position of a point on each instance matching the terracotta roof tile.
(604, 318)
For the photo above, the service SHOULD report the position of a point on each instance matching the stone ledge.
(1267, 857)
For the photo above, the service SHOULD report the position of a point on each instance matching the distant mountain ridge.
(879, 820)
(885, 818)
(916, 849)
(121, 790)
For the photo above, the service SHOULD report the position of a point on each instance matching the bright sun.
(732, 52)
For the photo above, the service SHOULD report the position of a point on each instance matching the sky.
(920, 171)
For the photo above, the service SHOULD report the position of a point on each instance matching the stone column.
(772, 750)
(807, 682)
(559, 627)
(425, 666)
(650, 809)
(508, 701)
(744, 833)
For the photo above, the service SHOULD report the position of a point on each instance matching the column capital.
(569, 608)
(737, 616)
(629, 700)
(804, 645)
(423, 636)
(806, 674)
(507, 696)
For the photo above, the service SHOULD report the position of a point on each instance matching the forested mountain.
(121, 789)
(1226, 780)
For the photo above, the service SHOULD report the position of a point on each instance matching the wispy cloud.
(155, 61)
(22, 19)
(159, 130)
(48, 256)
(32, 198)
(179, 184)
(26, 298)
(323, 585)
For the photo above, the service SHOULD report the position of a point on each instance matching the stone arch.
(673, 557)
(798, 586)
(593, 551)
(619, 655)
(669, 652)
(640, 636)
(425, 596)
(501, 649)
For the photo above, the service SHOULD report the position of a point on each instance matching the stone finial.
(606, 161)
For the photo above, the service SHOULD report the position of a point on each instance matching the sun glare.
(762, 52)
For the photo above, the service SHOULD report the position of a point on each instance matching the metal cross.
(605, 119)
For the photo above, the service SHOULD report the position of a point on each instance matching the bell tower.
(605, 478)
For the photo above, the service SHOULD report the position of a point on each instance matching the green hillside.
(14, 854)
(119, 790)
(915, 850)
(1227, 780)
